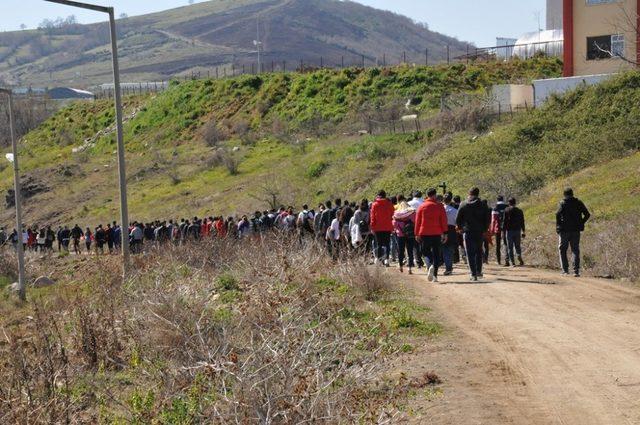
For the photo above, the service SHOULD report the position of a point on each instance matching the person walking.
(451, 244)
(381, 225)
(571, 218)
(88, 239)
(473, 221)
(415, 203)
(76, 235)
(404, 221)
(431, 227)
(514, 229)
(497, 227)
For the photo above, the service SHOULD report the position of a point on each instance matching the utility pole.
(22, 289)
(122, 175)
(258, 43)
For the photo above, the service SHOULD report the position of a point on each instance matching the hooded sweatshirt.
(382, 215)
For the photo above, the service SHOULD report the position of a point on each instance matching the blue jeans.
(473, 247)
(394, 246)
(447, 254)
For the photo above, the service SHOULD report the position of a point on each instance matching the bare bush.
(474, 116)
(243, 334)
(213, 134)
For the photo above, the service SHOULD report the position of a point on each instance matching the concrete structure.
(68, 93)
(504, 47)
(554, 14)
(600, 36)
(514, 96)
(543, 89)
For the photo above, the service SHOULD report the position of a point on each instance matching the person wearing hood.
(571, 218)
(473, 221)
(381, 224)
(497, 228)
(404, 220)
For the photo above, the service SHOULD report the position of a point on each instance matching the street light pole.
(124, 206)
(22, 291)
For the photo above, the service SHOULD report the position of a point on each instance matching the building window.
(592, 2)
(605, 46)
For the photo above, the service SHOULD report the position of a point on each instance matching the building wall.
(598, 20)
(543, 89)
(554, 14)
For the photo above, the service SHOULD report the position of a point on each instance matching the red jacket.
(431, 219)
(382, 215)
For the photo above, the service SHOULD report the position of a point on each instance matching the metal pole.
(22, 289)
(124, 206)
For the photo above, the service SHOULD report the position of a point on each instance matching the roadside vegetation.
(264, 332)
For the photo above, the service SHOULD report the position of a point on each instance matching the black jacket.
(473, 217)
(513, 219)
(571, 216)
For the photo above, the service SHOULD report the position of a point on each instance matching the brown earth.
(527, 346)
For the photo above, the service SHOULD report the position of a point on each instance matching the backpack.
(408, 229)
(363, 226)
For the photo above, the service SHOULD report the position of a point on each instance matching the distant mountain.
(219, 34)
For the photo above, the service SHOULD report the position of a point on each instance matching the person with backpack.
(404, 220)
(333, 238)
(359, 227)
(473, 221)
(3, 237)
(497, 227)
(305, 222)
(431, 228)
(571, 217)
(381, 225)
(101, 239)
(515, 231)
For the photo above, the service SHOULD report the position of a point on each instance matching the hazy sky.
(477, 21)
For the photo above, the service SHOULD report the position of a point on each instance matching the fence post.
(499, 110)
(272, 66)
(301, 65)
(384, 59)
(426, 57)
(224, 72)
(342, 62)
(448, 55)
(217, 73)
(253, 69)
(417, 125)
(242, 69)
(404, 57)
(284, 66)
(467, 54)
(362, 61)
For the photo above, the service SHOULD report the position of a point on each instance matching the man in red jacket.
(431, 225)
(381, 225)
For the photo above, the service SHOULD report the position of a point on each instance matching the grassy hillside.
(218, 33)
(289, 129)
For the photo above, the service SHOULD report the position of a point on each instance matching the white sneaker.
(430, 274)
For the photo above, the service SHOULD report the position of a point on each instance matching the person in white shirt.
(415, 204)
(333, 238)
(417, 200)
(448, 250)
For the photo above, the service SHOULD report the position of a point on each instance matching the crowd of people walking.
(433, 232)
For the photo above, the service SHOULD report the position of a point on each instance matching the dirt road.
(531, 347)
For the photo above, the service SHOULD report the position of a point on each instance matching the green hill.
(234, 145)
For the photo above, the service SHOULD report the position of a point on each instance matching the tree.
(123, 16)
(23, 27)
(627, 25)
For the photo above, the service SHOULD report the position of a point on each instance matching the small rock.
(43, 282)
(14, 287)
(236, 149)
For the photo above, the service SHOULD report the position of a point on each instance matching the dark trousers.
(473, 247)
(383, 245)
(406, 245)
(431, 247)
(514, 242)
(501, 239)
(570, 239)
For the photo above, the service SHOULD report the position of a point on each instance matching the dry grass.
(261, 332)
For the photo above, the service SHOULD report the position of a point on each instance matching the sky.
(476, 21)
